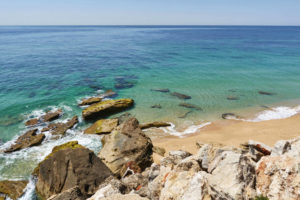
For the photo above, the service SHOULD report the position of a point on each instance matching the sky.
(149, 12)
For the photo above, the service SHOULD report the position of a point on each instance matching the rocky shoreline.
(124, 168)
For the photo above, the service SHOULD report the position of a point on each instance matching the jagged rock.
(29, 139)
(239, 171)
(61, 128)
(123, 197)
(124, 117)
(188, 105)
(12, 189)
(164, 90)
(174, 158)
(32, 122)
(90, 101)
(264, 149)
(180, 96)
(70, 165)
(70, 194)
(281, 147)
(50, 116)
(126, 143)
(159, 150)
(102, 126)
(105, 108)
(154, 124)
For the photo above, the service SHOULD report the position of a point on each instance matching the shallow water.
(49, 66)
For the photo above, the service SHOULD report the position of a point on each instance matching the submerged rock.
(180, 96)
(232, 98)
(124, 85)
(185, 114)
(61, 128)
(188, 105)
(127, 143)
(29, 139)
(89, 101)
(154, 125)
(102, 126)
(70, 165)
(109, 93)
(106, 108)
(51, 116)
(164, 90)
(266, 93)
(12, 189)
(156, 106)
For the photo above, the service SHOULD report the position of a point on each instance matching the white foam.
(191, 129)
(281, 112)
(29, 190)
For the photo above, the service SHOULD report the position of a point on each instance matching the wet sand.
(234, 133)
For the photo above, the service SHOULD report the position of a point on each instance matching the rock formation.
(102, 126)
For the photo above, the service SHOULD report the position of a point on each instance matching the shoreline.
(234, 133)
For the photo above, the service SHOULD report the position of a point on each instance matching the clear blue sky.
(149, 12)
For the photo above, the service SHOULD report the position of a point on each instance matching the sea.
(252, 71)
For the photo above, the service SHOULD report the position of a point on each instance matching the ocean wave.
(189, 130)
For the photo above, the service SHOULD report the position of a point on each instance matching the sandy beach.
(234, 133)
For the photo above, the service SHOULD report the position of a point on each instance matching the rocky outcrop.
(68, 166)
(180, 96)
(127, 143)
(102, 126)
(48, 117)
(12, 189)
(32, 122)
(29, 139)
(154, 125)
(61, 128)
(90, 101)
(106, 108)
(70, 194)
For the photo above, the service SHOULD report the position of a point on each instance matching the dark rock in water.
(90, 101)
(70, 165)
(32, 122)
(156, 106)
(185, 114)
(266, 93)
(229, 116)
(109, 94)
(188, 105)
(232, 98)
(164, 90)
(95, 87)
(102, 126)
(12, 189)
(51, 116)
(123, 82)
(154, 125)
(70, 194)
(61, 128)
(232, 90)
(124, 85)
(32, 94)
(263, 106)
(126, 143)
(180, 96)
(29, 139)
(106, 108)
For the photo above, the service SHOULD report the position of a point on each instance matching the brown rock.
(109, 93)
(68, 166)
(70, 194)
(154, 124)
(164, 90)
(126, 143)
(12, 189)
(29, 139)
(90, 101)
(102, 126)
(180, 96)
(50, 116)
(232, 98)
(61, 128)
(265, 93)
(32, 122)
(106, 108)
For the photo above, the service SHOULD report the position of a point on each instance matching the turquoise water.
(55, 66)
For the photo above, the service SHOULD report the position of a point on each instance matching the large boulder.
(106, 108)
(126, 144)
(61, 128)
(12, 189)
(29, 139)
(102, 126)
(70, 165)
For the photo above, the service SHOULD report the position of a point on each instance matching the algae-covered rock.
(105, 108)
(127, 143)
(154, 125)
(12, 189)
(102, 126)
(29, 139)
(90, 101)
(70, 165)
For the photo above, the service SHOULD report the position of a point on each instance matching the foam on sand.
(189, 130)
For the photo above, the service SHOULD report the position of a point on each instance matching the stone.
(106, 108)
(90, 101)
(124, 117)
(159, 150)
(184, 115)
(281, 147)
(156, 106)
(70, 165)
(51, 116)
(126, 143)
(164, 90)
(109, 93)
(174, 157)
(32, 122)
(180, 96)
(232, 98)
(61, 128)
(124, 197)
(12, 189)
(264, 149)
(266, 93)
(229, 116)
(29, 139)
(102, 126)
(154, 125)
(188, 105)
(70, 194)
